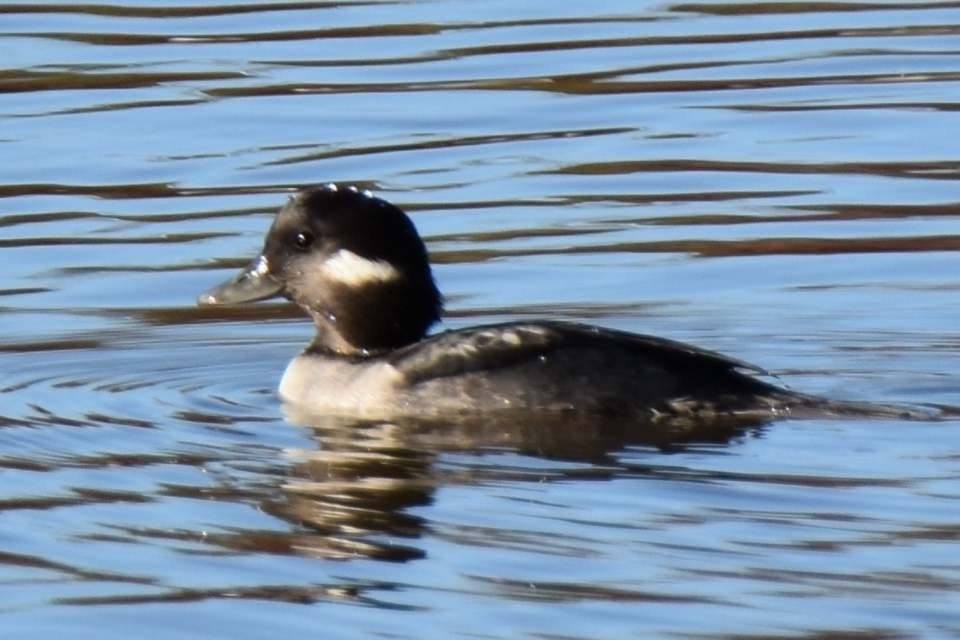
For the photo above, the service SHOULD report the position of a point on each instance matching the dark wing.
(671, 349)
(496, 346)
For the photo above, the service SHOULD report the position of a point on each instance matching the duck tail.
(808, 406)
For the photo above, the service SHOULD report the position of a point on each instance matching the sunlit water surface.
(777, 181)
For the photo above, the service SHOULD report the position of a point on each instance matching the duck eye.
(303, 239)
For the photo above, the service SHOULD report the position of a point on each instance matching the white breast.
(327, 385)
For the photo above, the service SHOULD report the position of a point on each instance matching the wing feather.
(491, 347)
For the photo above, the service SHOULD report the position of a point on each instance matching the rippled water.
(777, 181)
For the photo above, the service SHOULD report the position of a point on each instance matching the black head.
(355, 262)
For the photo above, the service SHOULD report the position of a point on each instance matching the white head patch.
(348, 268)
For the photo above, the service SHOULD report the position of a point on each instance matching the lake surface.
(776, 181)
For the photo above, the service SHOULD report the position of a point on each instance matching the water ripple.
(570, 161)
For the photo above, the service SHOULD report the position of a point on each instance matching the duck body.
(532, 367)
(357, 266)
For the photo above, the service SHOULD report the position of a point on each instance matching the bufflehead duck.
(356, 264)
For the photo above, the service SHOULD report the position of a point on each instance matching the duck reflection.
(355, 492)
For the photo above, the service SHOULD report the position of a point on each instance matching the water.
(774, 181)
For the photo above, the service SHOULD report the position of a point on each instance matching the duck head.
(354, 262)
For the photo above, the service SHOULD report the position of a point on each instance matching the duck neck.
(368, 323)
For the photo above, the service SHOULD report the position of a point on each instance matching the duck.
(357, 266)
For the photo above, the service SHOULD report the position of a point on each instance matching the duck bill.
(252, 284)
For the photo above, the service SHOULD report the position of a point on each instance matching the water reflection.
(359, 483)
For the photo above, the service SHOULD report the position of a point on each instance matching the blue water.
(774, 181)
